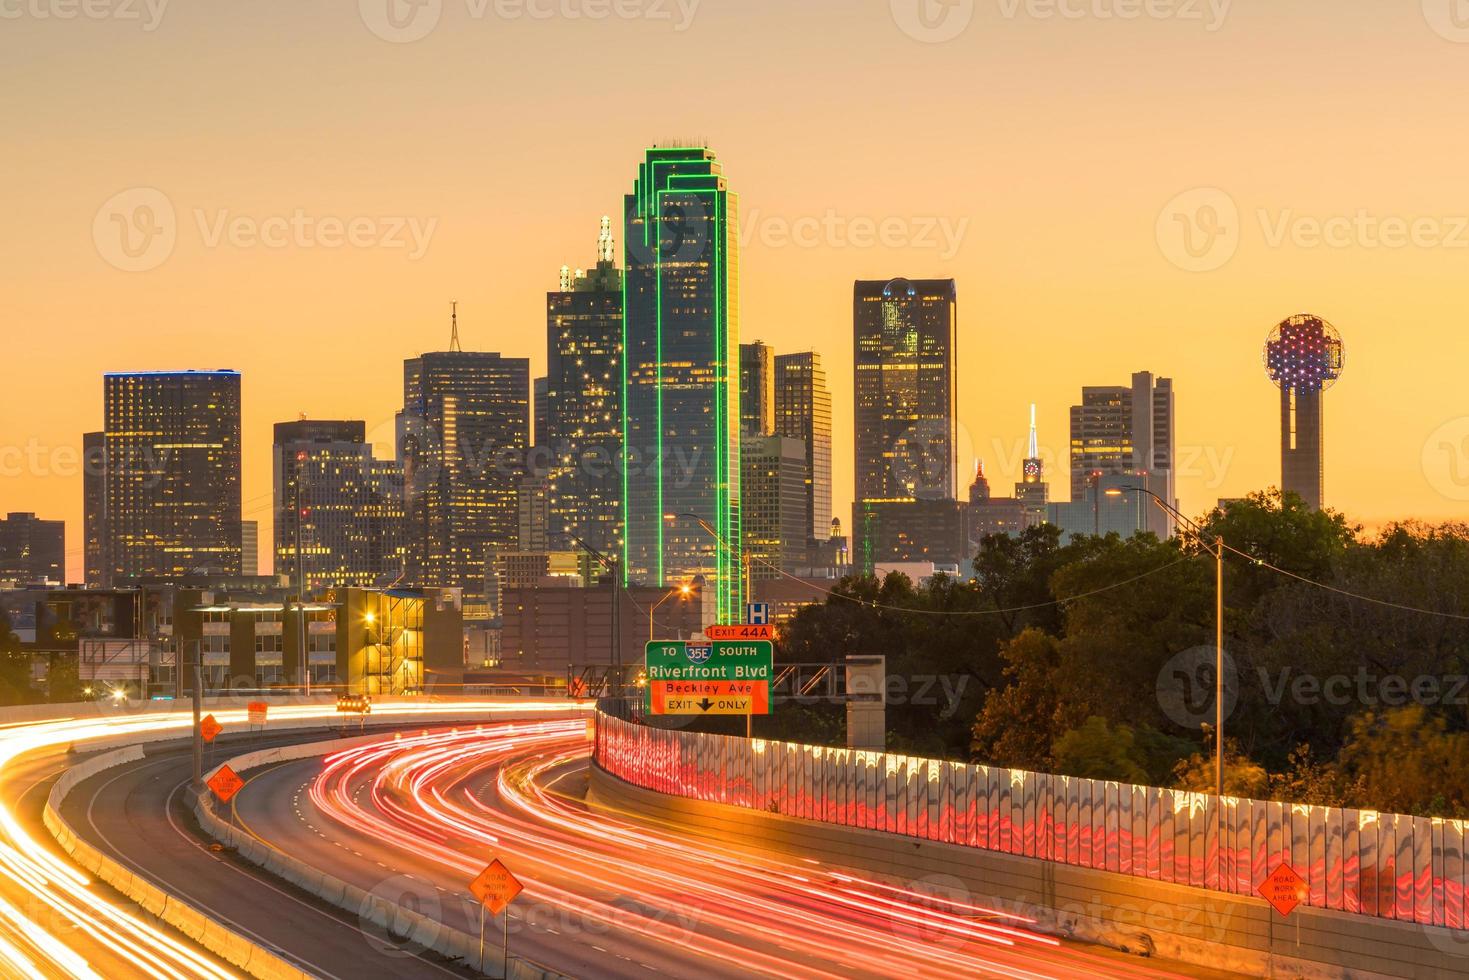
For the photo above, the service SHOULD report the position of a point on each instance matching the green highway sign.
(719, 660)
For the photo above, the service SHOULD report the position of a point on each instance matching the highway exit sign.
(740, 631)
(709, 698)
(718, 677)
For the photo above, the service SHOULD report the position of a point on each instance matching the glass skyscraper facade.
(463, 439)
(583, 428)
(757, 389)
(171, 483)
(803, 411)
(681, 401)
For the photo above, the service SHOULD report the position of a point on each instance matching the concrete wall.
(1129, 847)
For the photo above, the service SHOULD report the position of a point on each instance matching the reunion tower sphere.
(1304, 353)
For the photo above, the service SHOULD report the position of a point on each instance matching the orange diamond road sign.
(226, 783)
(1284, 889)
(209, 728)
(496, 887)
(742, 631)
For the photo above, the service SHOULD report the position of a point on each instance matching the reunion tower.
(1303, 356)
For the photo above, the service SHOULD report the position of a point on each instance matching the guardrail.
(1385, 865)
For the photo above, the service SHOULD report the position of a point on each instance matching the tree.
(1021, 722)
(1098, 751)
(1406, 761)
(15, 666)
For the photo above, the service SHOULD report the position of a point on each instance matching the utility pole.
(303, 658)
(197, 683)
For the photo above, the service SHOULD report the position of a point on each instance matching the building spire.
(454, 327)
(604, 241)
(1034, 443)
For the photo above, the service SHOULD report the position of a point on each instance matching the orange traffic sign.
(709, 697)
(255, 712)
(209, 728)
(741, 631)
(1284, 889)
(226, 783)
(496, 887)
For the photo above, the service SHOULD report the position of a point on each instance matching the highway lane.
(606, 897)
(138, 814)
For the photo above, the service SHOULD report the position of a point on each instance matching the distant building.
(905, 393)
(172, 474)
(1032, 491)
(757, 389)
(583, 429)
(549, 627)
(681, 406)
(1123, 430)
(989, 514)
(32, 551)
(463, 438)
(1304, 357)
(1111, 504)
(540, 411)
(532, 569)
(803, 411)
(249, 547)
(341, 505)
(94, 509)
(773, 504)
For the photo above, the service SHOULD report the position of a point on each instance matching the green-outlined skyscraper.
(681, 398)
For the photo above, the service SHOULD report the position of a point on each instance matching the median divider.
(242, 952)
(419, 929)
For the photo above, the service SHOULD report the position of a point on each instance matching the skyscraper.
(773, 504)
(1304, 357)
(463, 437)
(803, 411)
(32, 551)
(681, 402)
(343, 506)
(94, 509)
(906, 403)
(172, 483)
(757, 389)
(1032, 491)
(1123, 430)
(250, 547)
(584, 402)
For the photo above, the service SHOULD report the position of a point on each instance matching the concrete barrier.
(240, 951)
(421, 930)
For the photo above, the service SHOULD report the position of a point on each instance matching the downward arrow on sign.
(706, 704)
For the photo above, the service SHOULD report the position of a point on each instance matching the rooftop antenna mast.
(454, 325)
(1034, 443)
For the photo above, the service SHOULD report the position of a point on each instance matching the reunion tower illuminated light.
(1304, 356)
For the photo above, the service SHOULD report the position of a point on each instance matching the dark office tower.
(540, 406)
(773, 508)
(906, 399)
(1304, 357)
(172, 489)
(94, 509)
(584, 403)
(803, 411)
(463, 437)
(757, 389)
(1123, 430)
(681, 405)
(342, 507)
(32, 551)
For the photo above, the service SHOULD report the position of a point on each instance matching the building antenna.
(604, 241)
(1034, 445)
(454, 327)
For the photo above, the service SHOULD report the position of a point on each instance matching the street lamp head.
(1113, 492)
(685, 590)
(370, 618)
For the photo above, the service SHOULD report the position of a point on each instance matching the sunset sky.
(1111, 193)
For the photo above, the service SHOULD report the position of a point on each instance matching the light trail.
(60, 894)
(429, 795)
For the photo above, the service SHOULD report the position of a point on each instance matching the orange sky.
(1053, 150)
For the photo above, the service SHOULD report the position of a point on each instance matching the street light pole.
(719, 540)
(613, 566)
(1218, 552)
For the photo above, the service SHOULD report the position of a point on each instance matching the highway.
(416, 818)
